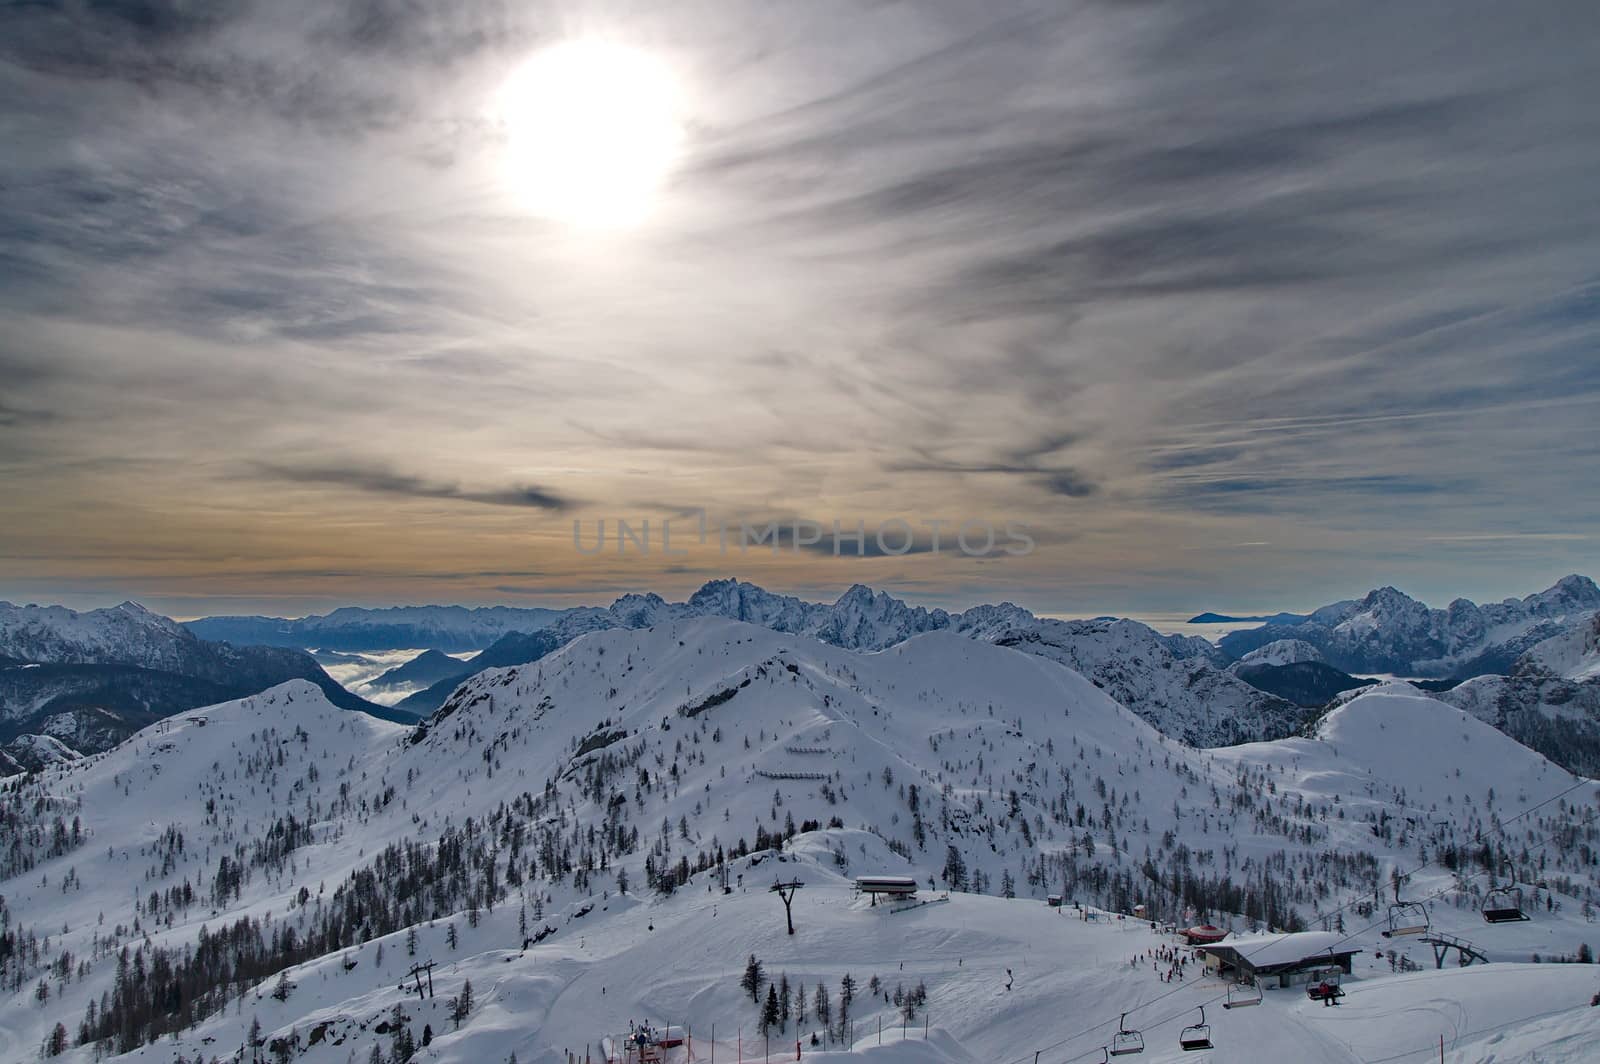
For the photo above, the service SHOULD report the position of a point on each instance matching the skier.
(1008, 979)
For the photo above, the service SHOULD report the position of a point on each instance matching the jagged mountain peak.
(1571, 591)
(1388, 631)
(1388, 597)
(635, 610)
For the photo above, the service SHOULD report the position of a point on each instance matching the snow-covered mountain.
(1573, 654)
(1174, 682)
(112, 671)
(30, 753)
(1550, 701)
(425, 669)
(127, 634)
(1310, 684)
(1390, 632)
(861, 618)
(445, 628)
(1187, 697)
(1282, 652)
(1293, 669)
(285, 835)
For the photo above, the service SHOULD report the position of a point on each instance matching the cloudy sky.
(1233, 305)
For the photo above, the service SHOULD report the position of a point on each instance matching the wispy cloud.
(387, 482)
(1160, 279)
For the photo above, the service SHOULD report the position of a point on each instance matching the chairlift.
(1503, 905)
(1127, 1040)
(1407, 918)
(1326, 989)
(1243, 995)
(1196, 1035)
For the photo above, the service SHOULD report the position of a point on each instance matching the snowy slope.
(678, 961)
(33, 752)
(633, 749)
(1573, 655)
(1554, 715)
(1183, 697)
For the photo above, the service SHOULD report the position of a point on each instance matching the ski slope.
(678, 961)
(697, 734)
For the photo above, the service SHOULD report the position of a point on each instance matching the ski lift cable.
(1181, 1014)
(1581, 783)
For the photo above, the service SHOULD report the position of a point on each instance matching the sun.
(592, 131)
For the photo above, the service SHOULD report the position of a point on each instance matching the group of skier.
(1176, 961)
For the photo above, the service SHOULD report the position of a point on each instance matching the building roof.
(1274, 951)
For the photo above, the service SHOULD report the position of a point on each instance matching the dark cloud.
(1070, 483)
(1024, 461)
(15, 416)
(1191, 457)
(216, 54)
(436, 35)
(386, 482)
(1285, 494)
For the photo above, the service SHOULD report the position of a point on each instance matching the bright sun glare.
(593, 129)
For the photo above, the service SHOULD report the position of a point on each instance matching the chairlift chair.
(1407, 918)
(1127, 1040)
(1196, 1035)
(1327, 988)
(1243, 995)
(1503, 905)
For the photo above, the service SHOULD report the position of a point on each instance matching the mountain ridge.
(1387, 631)
(115, 670)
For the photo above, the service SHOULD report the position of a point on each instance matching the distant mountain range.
(90, 679)
(1271, 618)
(1177, 683)
(1390, 632)
(352, 628)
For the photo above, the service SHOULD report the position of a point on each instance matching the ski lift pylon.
(1243, 995)
(1127, 1040)
(1196, 1035)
